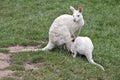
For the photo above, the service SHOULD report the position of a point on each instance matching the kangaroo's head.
(77, 14)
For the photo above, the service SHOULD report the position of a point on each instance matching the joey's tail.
(92, 61)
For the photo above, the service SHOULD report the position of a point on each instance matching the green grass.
(4, 50)
(26, 22)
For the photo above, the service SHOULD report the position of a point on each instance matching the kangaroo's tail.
(92, 61)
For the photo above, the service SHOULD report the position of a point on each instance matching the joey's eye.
(78, 15)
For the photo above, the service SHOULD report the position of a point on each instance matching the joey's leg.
(89, 57)
(74, 54)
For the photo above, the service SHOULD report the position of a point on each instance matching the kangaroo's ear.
(80, 9)
(72, 8)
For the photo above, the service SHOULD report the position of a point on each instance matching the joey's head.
(77, 14)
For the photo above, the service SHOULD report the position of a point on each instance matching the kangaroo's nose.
(74, 20)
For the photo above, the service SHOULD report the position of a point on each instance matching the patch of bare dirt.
(5, 73)
(3, 64)
(5, 61)
(4, 56)
(19, 48)
(29, 66)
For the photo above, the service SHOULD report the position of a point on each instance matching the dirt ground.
(4, 63)
(5, 60)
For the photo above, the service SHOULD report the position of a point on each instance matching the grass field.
(26, 22)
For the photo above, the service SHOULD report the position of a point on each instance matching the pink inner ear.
(80, 9)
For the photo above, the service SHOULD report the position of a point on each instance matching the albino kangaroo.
(63, 28)
(84, 46)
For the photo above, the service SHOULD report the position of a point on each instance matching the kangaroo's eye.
(78, 15)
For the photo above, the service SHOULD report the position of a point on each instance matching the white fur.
(84, 46)
(63, 28)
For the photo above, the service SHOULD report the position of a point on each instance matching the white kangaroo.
(84, 46)
(63, 28)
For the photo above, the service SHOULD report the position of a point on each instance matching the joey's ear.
(72, 8)
(80, 9)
